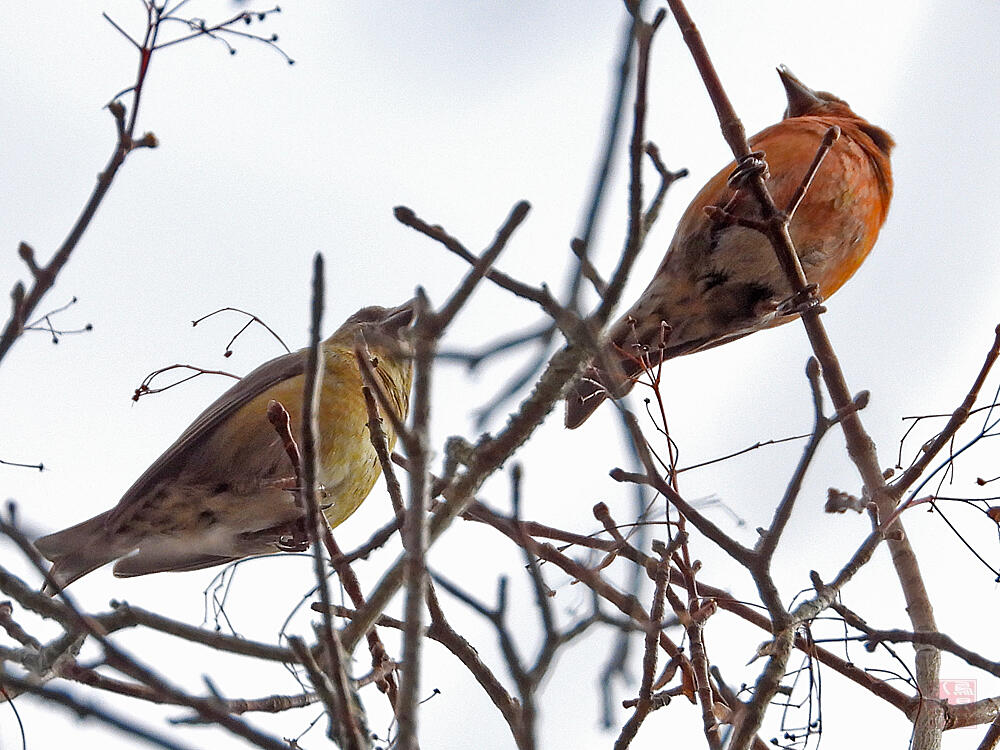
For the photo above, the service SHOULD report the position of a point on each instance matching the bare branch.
(415, 528)
(958, 418)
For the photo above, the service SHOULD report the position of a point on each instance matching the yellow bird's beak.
(400, 317)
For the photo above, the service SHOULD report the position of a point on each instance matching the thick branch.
(859, 445)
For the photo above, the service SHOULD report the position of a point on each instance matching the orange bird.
(720, 281)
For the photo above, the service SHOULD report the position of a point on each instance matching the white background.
(458, 110)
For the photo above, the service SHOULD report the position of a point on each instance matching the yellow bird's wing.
(267, 376)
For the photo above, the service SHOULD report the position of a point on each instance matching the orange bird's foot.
(747, 168)
(802, 301)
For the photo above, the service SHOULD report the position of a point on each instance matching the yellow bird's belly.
(348, 466)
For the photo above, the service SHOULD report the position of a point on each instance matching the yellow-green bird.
(220, 492)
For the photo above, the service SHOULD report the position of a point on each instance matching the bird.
(221, 491)
(720, 280)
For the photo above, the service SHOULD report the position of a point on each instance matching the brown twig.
(24, 302)
(992, 736)
(645, 703)
(253, 319)
(125, 615)
(86, 709)
(18, 464)
(829, 138)
(957, 419)
(644, 33)
(480, 268)
(44, 277)
(520, 534)
(482, 513)
(768, 541)
(380, 657)
(281, 421)
(940, 641)
(567, 324)
(756, 446)
(14, 629)
(381, 444)
(488, 455)
(73, 618)
(44, 321)
(377, 540)
(145, 390)
(407, 216)
(345, 723)
(441, 631)
(652, 478)
(336, 706)
(527, 678)
(375, 387)
(472, 359)
(587, 269)
(415, 533)
(268, 704)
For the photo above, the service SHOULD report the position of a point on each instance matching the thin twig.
(644, 33)
(488, 455)
(320, 682)
(72, 617)
(769, 540)
(380, 657)
(344, 723)
(829, 138)
(407, 216)
(481, 267)
(667, 178)
(253, 319)
(126, 616)
(415, 535)
(645, 703)
(958, 418)
(652, 478)
(86, 709)
(381, 444)
(992, 736)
